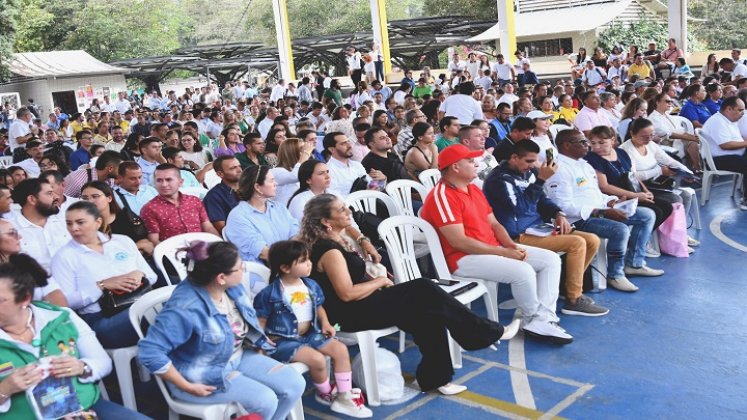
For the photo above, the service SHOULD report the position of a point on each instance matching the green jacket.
(61, 329)
(245, 162)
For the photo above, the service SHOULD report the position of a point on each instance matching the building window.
(547, 47)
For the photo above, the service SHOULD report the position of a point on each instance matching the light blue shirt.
(148, 168)
(251, 230)
(136, 201)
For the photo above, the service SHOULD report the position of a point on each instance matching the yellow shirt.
(76, 127)
(102, 140)
(568, 114)
(642, 71)
(125, 125)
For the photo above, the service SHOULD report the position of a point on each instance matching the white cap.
(535, 115)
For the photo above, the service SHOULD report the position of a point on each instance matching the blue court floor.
(673, 350)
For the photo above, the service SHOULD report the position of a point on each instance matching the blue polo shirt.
(219, 201)
(79, 157)
(695, 112)
(713, 106)
(148, 168)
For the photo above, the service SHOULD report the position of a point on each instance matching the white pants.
(534, 282)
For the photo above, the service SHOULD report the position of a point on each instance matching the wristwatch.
(87, 371)
(362, 238)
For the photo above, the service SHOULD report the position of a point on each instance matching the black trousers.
(662, 205)
(355, 76)
(734, 163)
(420, 307)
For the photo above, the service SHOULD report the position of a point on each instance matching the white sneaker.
(622, 284)
(692, 241)
(452, 389)
(547, 331)
(351, 405)
(510, 330)
(644, 271)
(651, 252)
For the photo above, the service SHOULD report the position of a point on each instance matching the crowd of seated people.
(91, 195)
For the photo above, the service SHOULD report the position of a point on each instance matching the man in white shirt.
(107, 105)
(617, 69)
(455, 64)
(342, 169)
(736, 55)
(736, 69)
(575, 189)
(519, 66)
(593, 75)
(462, 105)
(264, 126)
(35, 151)
(130, 187)
(484, 80)
(474, 139)
(122, 103)
(57, 181)
(20, 130)
(503, 72)
(726, 142)
(41, 234)
(508, 96)
(473, 66)
(354, 65)
(278, 92)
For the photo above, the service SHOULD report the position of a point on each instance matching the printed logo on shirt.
(299, 298)
(580, 181)
(121, 256)
(6, 368)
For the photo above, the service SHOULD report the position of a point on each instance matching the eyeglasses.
(12, 233)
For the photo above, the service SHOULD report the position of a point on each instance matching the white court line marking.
(519, 378)
(715, 227)
(564, 381)
(566, 402)
(492, 410)
(435, 394)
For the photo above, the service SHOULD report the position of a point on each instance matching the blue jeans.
(261, 385)
(107, 410)
(623, 245)
(114, 332)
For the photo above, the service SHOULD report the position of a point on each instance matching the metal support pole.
(286, 69)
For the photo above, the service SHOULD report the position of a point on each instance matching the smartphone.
(549, 156)
(445, 282)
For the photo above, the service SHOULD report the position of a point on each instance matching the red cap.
(454, 154)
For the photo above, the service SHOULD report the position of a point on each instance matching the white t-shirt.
(502, 71)
(19, 128)
(719, 130)
(519, 67)
(299, 299)
(742, 124)
(740, 70)
(463, 107)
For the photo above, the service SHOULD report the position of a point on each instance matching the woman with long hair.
(193, 151)
(131, 149)
(291, 154)
(423, 154)
(667, 128)
(275, 137)
(710, 67)
(635, 108)
(354, 299)
(694, 109)
(341, 123)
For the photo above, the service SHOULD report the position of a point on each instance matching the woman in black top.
(358, 302)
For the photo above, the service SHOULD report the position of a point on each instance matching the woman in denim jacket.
(207, 343)
(291, 311)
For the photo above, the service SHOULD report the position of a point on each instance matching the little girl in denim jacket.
(290, 310)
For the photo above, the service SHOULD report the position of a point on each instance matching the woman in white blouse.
(291, 154)
(669, 127)
(93, 262)
(651, 162)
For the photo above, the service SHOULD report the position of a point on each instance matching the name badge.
(6, 368)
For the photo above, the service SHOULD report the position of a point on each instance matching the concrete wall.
(41, 90)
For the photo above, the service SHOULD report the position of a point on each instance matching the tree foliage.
(481, 9)
(639, 33)
(8, 12)
(723, 23)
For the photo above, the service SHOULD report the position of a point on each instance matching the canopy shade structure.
(33, 65)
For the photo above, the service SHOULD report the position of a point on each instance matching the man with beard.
(41, 234)
(221, 199)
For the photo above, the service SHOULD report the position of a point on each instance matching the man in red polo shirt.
(477, 246)
(172, 213)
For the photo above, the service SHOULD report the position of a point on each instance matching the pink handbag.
(673, 233)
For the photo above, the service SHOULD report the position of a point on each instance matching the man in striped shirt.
(476, 245)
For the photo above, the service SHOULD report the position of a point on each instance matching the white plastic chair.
(430, 178)
(556, 128)
(398, 235)
(6, 161)
(367, 344)
(211, 179)
(366, 201)
(122, 360)
(401, 192)
(170, 250)
(198, 192)
(250, 268)
(147, 307)
(710, 170)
